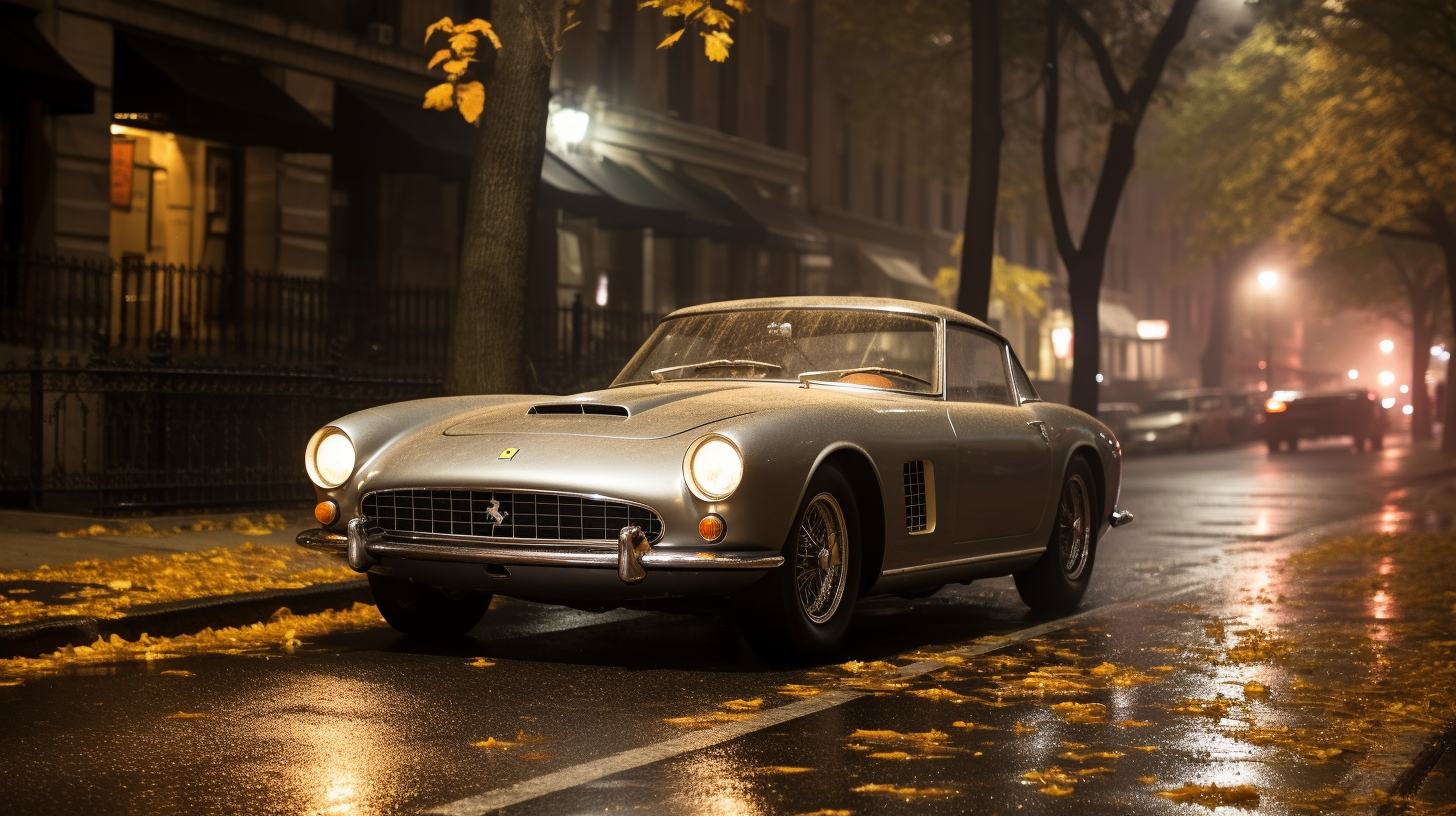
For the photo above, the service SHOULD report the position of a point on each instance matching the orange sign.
(122, 154)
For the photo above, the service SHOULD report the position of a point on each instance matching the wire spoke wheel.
(1074, 527)
(820, 556)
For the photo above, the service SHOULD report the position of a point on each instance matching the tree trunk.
(1225, 267)
(1445, 234)
(500, 211)
(979, 243)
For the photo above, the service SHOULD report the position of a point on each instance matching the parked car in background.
(1180, 419)
(1115, 415)
(791, 455)
(1290, 416)
(1246, 416)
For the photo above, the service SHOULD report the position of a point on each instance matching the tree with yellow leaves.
(510, 107)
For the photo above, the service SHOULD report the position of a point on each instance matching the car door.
(1003, 449)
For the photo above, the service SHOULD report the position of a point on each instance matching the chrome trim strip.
(959, 561)
(604, 557)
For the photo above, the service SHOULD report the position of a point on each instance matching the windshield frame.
(937, 327)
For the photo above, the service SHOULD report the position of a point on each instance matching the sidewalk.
(67, 580)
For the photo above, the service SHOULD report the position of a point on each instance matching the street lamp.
(1268, 279)
(1387, 346)
(567, 124)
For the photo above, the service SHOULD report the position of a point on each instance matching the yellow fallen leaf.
(1086, 755)
(493, 744)
(1094, 771)
(794, 690)
(941, 694)
(890, 755)
(691, 722)
(1254, 688)
(120, 585)
(1162, 668)
(744, 705)
(176, 673)
(1213, 795)
(782, 769)
(1133, 723)
(1148, 780)
(1074, 746)
(1050, 776)
(1206, 708)
(1024, 729)
(9, 683)
(974, 726)
(907, 793)
(1055, 790)
(1081, 712)
(183, 715)
(1148, 748)
(860, 667)
(1103, 670)
(481, 663)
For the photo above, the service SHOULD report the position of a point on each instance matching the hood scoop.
(579, 408)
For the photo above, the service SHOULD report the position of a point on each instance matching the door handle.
(1041, 429)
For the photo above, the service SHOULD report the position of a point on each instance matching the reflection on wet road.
(1223, 694)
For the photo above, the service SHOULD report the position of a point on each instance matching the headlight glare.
(330, 458)
(714, 467)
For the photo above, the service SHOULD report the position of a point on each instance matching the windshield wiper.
(692, 368)
(819, 375)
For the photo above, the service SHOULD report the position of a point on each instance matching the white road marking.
(576, 775)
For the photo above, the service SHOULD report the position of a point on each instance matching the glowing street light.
(1387, 346)
(1268, 279)
(1354, 374)
(567, 123)
(1386, 377)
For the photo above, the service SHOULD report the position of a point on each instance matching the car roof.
(888, 305)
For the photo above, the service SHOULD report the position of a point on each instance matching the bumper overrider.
(366, 546)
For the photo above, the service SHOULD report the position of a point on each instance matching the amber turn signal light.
(1275, 406)
(326, 512)
(711, 528)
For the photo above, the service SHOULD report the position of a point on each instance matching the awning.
(710, 213)
(784, 226)
(1116, 321)
(161, 86)
(637, 203)
(30, 67)
(903, 273)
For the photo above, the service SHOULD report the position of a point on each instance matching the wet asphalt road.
(367, 722)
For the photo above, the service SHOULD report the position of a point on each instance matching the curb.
(178, 618)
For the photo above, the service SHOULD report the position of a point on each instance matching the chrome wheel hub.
(820, 554)
(1074, 527)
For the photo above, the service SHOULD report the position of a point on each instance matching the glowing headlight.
(330, 458)
(713, 468)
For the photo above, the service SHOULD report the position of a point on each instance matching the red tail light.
(1275, 406)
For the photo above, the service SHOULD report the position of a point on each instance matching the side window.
(975, 368)
(1023, 382)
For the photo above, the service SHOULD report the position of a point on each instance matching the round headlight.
(713, 467)
(330, 458)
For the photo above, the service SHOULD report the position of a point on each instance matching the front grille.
(526, 516)
(917, 516)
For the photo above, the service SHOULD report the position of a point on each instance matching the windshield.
(1165, 406)
(833, 345)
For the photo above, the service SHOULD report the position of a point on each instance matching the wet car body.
(1290, 416)
(948, 483)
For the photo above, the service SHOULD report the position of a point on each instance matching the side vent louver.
(919, 497)
(594, 408)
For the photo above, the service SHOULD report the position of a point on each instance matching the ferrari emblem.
(508, 453)
(495, 513)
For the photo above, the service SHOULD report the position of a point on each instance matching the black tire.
(421, 610)
(1272, 445)
(1195, 440)
(780, 620)
(1056, 583)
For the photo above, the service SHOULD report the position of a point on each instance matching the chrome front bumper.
(631, 557)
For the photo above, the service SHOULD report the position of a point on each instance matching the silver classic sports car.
(788, 456)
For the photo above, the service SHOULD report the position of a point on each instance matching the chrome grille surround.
(917, 515)
(529, 515)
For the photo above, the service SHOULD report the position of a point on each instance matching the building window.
(776, 95)
(680, 81)
(728, 97)
(879, 190)
(841, 150)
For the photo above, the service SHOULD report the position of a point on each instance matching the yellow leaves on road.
(796, 690)
(279, 633)
(872, 667)
(744, 705)
(176, 673)
(782, 769)
(1081, 712)
(184, 715)
(1243, 796)
(111, 587)
(924, 745)
(242, 525)
(907, 793)
(493, 744)
(1205, 708)
(1084, 756)
(1254, 688)
(943, 695)
(480, 663)
(738, 711)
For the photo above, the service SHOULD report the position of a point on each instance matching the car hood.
(651, 411)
